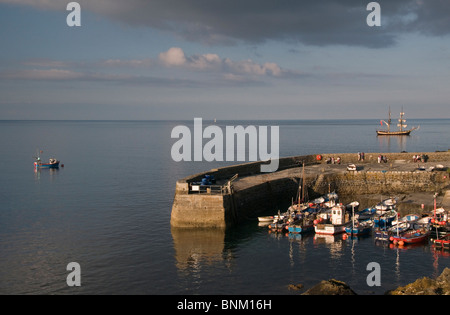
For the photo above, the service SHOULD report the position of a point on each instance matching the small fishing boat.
(298, 207)
(425, 220)
(400, 227)
(268, 218)
(332, 222)
(410, 237)
(273, 218)
(439, 223)
(301, 227)
(278, 226)
(38, 164)
(360, 228)
(302, 223)
(366, 214)
(385, 219)
(52, 163)
(410, 218)
(386, 205)
(443, 242)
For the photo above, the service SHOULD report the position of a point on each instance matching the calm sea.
(109, 209)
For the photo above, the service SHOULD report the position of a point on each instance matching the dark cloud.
(324, 22)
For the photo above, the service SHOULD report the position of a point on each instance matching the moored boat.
(360, 228)
(268, 218)
(410, 218)
(302, 223)
(385, 220)
(442, 242)
(301, 228)
(366, 214)
(332, 222)
(410, 237)
(386, 205)
(278, 226)
(400, 227)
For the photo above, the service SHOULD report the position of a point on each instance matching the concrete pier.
(242, 192)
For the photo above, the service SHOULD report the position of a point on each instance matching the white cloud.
(173, 57)
(244, 71)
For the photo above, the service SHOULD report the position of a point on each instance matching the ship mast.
(401, 121)
(389, 120)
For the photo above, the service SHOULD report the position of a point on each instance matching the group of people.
(360, 156)
(419, 158)
(382, 158)
(333, 160)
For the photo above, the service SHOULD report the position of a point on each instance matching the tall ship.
(401, 127)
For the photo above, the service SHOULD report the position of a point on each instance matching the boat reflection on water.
(393, 143)
(335, 244)
(197, 247)
(52, 172)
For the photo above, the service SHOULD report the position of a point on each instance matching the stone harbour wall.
(268, 193)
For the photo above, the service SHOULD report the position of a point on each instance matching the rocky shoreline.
(422, 286)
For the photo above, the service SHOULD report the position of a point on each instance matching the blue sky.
(248, 59)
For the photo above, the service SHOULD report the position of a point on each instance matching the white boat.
(400, 228)
(352, 206)
(385, 205)
(424, 220)
(332, 222)
(351, 167)
(410, 218)
(298, 207)
(271, 218)
(268, 218)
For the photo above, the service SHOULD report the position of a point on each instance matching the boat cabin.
(338, 215)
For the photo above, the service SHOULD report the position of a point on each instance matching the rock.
(295, 287)
(426, 286)
(330, 287)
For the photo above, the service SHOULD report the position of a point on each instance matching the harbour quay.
(223, 197)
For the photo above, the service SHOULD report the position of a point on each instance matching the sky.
(224, 60)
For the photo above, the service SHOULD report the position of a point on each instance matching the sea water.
(108, 209)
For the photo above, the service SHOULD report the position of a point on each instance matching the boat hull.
(411, 238)
(330, 229)
(393, 133)
(46, 165)
(443, 242)
(299, 229)
(358, 230)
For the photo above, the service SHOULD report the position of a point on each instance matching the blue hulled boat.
(52, 163)
(360, 228)
(38, 164)
(385, 220)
